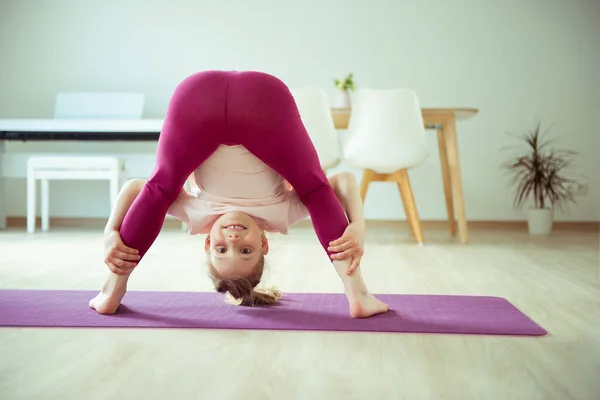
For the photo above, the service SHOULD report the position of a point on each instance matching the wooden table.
(443, 120)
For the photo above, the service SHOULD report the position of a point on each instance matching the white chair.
(46, 168)
(386, 137)
(315, 112)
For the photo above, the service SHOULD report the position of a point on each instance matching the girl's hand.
(351, 244)
(119, 258)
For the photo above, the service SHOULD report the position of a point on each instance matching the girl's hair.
(242, 290)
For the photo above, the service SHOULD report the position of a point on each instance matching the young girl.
(241, 135)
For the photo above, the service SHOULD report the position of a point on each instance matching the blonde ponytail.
(242, 290)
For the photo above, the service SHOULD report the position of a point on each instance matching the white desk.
(71, 130)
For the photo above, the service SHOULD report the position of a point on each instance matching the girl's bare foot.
(366, 305)
(109, 299)
(362, 303)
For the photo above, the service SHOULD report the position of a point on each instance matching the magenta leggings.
(253, 109)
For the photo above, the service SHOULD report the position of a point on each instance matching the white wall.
(517, 61)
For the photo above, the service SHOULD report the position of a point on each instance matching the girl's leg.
(193, 129)
(264, 113)
(265, 119)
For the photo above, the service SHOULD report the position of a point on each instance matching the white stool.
(67, 168)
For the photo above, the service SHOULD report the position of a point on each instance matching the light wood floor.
(554, 280)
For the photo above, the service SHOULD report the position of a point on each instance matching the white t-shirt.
(233, 179)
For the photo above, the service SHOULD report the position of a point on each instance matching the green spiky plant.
(538, 174)
(345, 84)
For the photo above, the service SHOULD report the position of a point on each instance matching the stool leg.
(30, 202)
(114, 190)
(45, 205)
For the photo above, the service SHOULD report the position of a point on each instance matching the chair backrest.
(386, 132)
(315, 112)
(85, 105)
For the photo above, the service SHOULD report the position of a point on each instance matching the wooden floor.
(554, 280)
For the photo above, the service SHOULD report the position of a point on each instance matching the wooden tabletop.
(429, 110)
(431, 115)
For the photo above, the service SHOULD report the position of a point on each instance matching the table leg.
(2, 189)
(447, 181)
(456, 179)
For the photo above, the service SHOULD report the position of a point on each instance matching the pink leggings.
(253, 109)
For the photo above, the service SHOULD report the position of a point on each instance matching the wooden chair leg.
(409, 203)
(368, 176)
(409, 219)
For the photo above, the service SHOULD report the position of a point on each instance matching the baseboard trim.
(171, 223)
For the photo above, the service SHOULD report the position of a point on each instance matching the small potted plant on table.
(344, 86)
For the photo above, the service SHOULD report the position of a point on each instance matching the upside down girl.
(240, 134)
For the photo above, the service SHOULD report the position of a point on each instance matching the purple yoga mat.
(314, 312)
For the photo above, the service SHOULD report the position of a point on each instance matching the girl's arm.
(129, 192)
(346, 190)
(119, 258)
(351, 245)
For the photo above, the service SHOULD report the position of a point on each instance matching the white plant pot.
(540, 221)
(341, 99)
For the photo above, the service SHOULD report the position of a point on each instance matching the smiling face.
(235, 245)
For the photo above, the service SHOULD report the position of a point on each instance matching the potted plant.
(344, 86)
(537, 176)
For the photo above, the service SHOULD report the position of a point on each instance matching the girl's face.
(235, 244)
